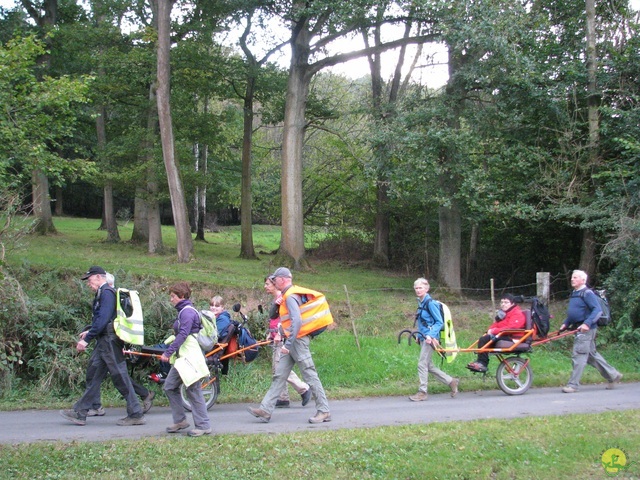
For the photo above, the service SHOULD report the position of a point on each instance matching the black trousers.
(108, 358)
(483, 358)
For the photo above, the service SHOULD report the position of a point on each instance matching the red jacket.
(514, 319)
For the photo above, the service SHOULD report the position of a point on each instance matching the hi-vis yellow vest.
(130, 328)
(315, 311)
(448, 335)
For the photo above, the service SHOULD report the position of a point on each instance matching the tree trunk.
(384, 114)
(140, 233)
(246, 201)
(200, 199)
(450, 246)
(154, 233)
(59, 202)
(109, 216)
(473, 251)
(588, 248)
(176, 191)
(292, 240)
(153, 214)
(588, 252)
(39, 181)
(42, 203)
(450, 221)
(113, 236)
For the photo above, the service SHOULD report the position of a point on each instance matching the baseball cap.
(282, 272)
(94, 270)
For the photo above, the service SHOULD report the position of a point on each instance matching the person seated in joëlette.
(509, 317)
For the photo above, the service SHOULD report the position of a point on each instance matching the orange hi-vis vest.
(315, 311)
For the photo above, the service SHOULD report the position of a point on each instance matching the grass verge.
(529, 448)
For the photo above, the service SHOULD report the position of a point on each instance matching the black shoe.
(306, 396)
(282, 404)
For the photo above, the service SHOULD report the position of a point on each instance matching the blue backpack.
(245, 339)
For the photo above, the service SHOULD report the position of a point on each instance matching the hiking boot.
(74, 417)
(282, 404)
(131, 421)
(176, 427)
(147, 402)
(612, 384)
(454, 387)
(306, 396)
(320, 417)
(198, 432)
(477, 367)
(259, 413)
(419, 397)
(569, 389)
(96, 412)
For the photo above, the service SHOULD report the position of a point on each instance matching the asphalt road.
(48, 426)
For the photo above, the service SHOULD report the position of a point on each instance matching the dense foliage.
(503, 155)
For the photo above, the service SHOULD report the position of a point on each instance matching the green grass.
(570, 446)
(382, 303)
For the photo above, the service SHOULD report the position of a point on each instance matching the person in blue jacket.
(430, 322)
(583, 313)
(223, 319)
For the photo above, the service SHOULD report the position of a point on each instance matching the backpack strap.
(583, 292)
(196, 310)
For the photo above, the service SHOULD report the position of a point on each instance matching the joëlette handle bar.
(218, 348)
(554, 336)
(141, 354)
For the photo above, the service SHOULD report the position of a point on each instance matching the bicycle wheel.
(514, 376)
(210, 392)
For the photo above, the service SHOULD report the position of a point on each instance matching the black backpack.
(540, 316)
(601, 295)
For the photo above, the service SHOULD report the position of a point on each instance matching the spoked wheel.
(514, 376)
(210, 390)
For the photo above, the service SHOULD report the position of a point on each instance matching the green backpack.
(208, 335)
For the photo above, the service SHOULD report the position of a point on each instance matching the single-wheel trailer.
(513, 374)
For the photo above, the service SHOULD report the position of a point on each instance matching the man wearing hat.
(509, 317)
(295, 351)
(108, 355)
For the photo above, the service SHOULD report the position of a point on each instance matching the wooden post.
(353, 324)
(542, 291)
(493, 295)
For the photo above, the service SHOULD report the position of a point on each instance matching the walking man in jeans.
(295, 351)
(109, 354)
(583, 312)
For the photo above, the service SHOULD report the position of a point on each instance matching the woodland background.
(201, 114)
